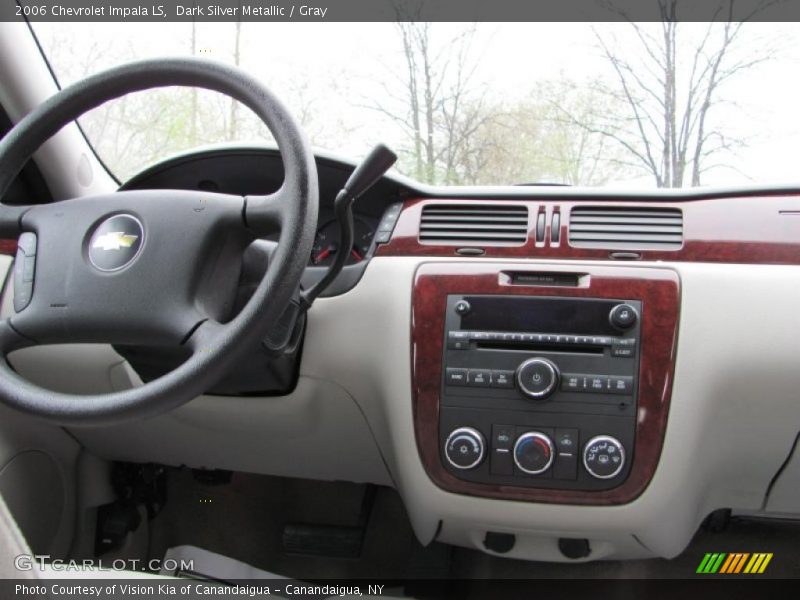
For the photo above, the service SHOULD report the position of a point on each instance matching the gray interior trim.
(12, 544)
(732, 421)
(784, 492)
(26, 84)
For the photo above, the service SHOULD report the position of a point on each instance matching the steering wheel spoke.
(266, 215)
(11, 339)
(10, 220)
(205, 337)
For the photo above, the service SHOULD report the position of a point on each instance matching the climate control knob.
(465, 448)
(537, 378)
(603, 457)
(533, 453)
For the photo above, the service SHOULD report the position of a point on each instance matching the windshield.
(641, 105)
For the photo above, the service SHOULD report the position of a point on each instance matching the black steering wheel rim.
(291, 211)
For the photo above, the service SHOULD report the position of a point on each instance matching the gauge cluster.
(243, 170)
(328, 241)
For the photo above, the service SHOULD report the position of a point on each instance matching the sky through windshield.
(488, 103)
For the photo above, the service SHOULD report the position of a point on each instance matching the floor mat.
(244, 520)
(210, 565)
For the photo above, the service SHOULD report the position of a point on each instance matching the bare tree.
(434, 100)
(193, 117)
(670, 82)
(236, 61)
(531, 141)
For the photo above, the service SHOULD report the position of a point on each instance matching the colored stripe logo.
(734, 563)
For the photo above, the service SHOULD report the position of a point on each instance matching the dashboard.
(257, 170)
(527, 364)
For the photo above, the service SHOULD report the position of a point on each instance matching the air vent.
(483, 224)
(620, 227)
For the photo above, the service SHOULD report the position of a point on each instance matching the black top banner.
(399, 10)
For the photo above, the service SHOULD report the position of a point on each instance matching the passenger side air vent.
(483, 224)
(638, 228)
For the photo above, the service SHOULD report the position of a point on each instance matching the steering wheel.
(150, 267)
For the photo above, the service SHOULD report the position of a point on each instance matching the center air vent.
(483, 224)
(637, 228)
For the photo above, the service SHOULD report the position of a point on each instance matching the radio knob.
(623, 316)
(538, 378)
(465, 448)
(533, 453)
(603, 457)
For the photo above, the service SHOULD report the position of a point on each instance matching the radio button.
(623, 316)
(458, 340)
(456, 377)
(620, 385)
(597, 383)
(479, 377)
(572, 382)
(503, 379)
(462, 307)
(537, 378)
(620, 351)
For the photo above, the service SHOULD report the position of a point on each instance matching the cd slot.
(541, 347)
(544, 278)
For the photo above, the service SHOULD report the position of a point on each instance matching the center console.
(547, 386)
(538, 391)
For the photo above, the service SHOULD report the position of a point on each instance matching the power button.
(537, 378)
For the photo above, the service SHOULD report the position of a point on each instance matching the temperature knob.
(537, 378)
(465, 448)
(603, 457)
(533, 453)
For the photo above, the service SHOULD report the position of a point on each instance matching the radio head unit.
(539, 391)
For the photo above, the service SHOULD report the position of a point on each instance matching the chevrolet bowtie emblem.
(114, 240)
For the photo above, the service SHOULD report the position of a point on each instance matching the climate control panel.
(539, 451)
(539, 391)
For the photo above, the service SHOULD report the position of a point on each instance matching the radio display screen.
(539, 315)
